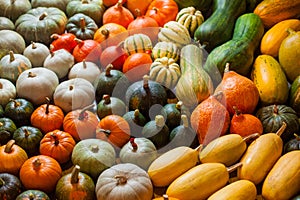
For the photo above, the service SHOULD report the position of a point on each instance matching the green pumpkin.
(93, 152)
(19, 110)
(33, 195)
(110, 105)
(75, 184)
(136, 121)
(7, 129)
(272, 117)
(28, 137)
(293, 144)
(6, 24)
(40, 23)
(12, 9)
(60, 4)
(82, 26)
(92, 8)
(10, 186)
(11, 41)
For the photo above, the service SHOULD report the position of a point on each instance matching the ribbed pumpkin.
(86, 70)
(292, 144)
(137, 43)
(61, 4)
(63, 41)
(10, 186)
(88, 50)
(136, 121)
(7, 91)
(11, 41)
(36, 52)
(33, 195)
(165, 49)
(110, 105)
(6, 24)
(7, 129)
(14, 9)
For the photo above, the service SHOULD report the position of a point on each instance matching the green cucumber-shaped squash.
(294, 95)
(218, 28)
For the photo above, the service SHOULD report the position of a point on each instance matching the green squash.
(82, 26)
(110, 105)
(10, 186)
(136, 121)
(38, 24)
(75, 185)
(11, 41)
(6, 24)
(7, 129)
(19, 110)
(28, 137)
(92, 8)
(33, 195)
(12, 9)
(292, 144)
(60, 4)
(272, 117)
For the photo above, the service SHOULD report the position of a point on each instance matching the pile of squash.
(152, 99)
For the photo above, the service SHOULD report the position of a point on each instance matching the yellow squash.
(270, 80)
(283, 181)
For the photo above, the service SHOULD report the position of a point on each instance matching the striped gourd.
(137, 43)
(174, 32)
(190, 18)
(165, 49)
(165, 71)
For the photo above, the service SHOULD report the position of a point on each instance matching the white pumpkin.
(74, 94)
(36, 52)
(36, 84)
(87, 70)
(59, 61)
(123, 182)
(7, 91)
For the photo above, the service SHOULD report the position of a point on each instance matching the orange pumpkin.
(88, 50)
(118, 14)
(114, 129)
(58, 145)
(47, 117)
(41, 173)
(63, 41)
(81, 123)
(109, 3)
(12, 158)
(142, 6)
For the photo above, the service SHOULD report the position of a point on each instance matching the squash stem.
(155, 9)
(42, 17)
(234, 167)
(31, 196)
(250, 137)
(11, 56)
(82, 24)
(133, 145)
(227, 65)
(159, 121)
(74, 174)
(199, 148)
(165, 197)
(84, 1)
(33, 45)
(26, 132)
(105, 32)
(83, 114)
(297, 137)
(185, 121)
(31, 75)
(106, 99)
(84, 64)
(47, 105)
(121, 179)
(54, 36)
(8, 146)
(16, 103)
(178, 105)
(56, 141)
(119, 4)
(106, 132)
(94, 148)
(137, 12)
(37, 163)
(108, 68)
(281, 129)
(146, 81)
(2, 182)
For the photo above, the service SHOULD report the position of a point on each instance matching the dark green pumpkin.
(19, 110)
(82, 26)
(92, 8)
(136, 121)
(157, 131)
(33, 195)
(293, 144)
(110, 105)
(7, 129)
(112, 82)
(272, 117)
(294, 95)
(6, 24)
(38, 24)
(28, 137)
(10, 186)
(12, 9)
(60, 4)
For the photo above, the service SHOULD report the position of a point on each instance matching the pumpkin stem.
(31, 75)
(297, 137)
(84, 64)
(33, 45)
(199, 148)
(36, 163)
(234, 167)
(105, 32)
(94, 148)
(11, 56)
(31, 196)
(105, 131)
(16, 103)
(84, 1)
(275, 109)
(155, 10)
(8, 146)
(108, 68)
(159, 121)
(82, 24)
(71, 87)
(79, 41)
(26, 132)
(290, 31)
(178, 105)
(1, 124)
(43, 16)
(54, 136)
(133, 144)
(281, 129)
(146, 81)
(83, 114)
(74, 174)
(185, 121)
(137, 12)
(47, 105)
(236, 110)
(251, 136)
(136, 113)
(106, 99)
(119, 4)
(121, 179)
(54, 36)
(2, 182)
(226, 68)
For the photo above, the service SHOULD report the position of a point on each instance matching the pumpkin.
(10, 186)
(93, 152)
(110, 105)
(92, 8)
(86, 70)
(234, 85)
(38, 24)
(81, 123)
(33, 195)
(12, 157)
(11, 41)
(136, 121)
(82, 26)
(6, 24)
(210, 119)
(7, 91)
(36, 52)
(19, 110)
(47, 117)
(273, 115)
(28, 138)
(64, 41)
(165, 49)
(114, 55)
(37, 169)
(165, 71)
(58, 145)
(14, 9)
(60, 4)
(36, 84)
(292, 144)
(7, 129)
(137, 43)
(88, 50)
(114, 129)
(12, 65)
(143, 95)
(76, 185)
(60, 62)
(141, 6)
(162, 11)
(109, 3)
(124, 181)
(73, 94)
(139, 151)
(118, 14)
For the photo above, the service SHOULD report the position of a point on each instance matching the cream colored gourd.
(7, 91)
(165, 49)
(36, 52)
(86, 70)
